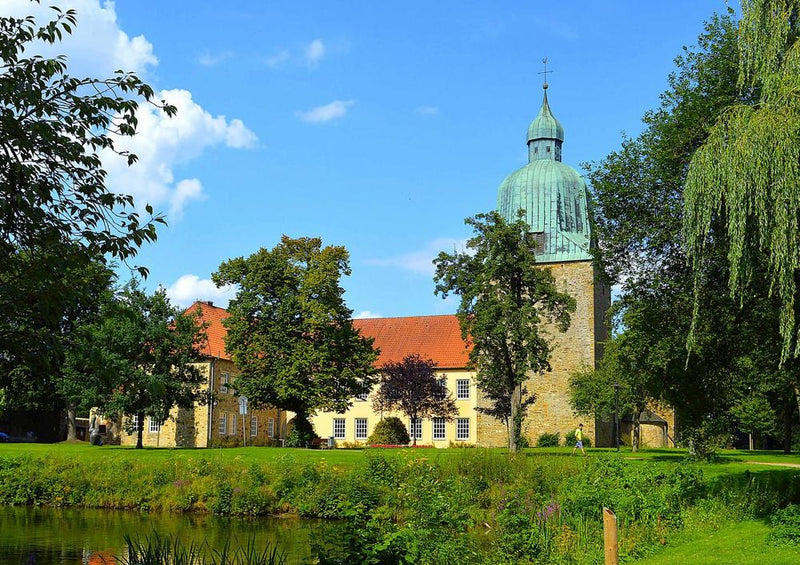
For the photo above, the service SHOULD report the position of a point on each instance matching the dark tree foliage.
(639, 196)
(137, 358)
(290, 332)
(57, 216)
(412, 387)
(506, 300)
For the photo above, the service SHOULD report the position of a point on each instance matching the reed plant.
(155, 549)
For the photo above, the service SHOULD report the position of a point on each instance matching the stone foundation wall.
(578, 348)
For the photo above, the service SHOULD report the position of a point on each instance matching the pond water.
(46, 536)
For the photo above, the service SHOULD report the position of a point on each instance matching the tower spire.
(544, 72)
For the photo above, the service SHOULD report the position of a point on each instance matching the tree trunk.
(514, 420)
(72, 432)
(788, 412)
(637, 430)
(414, 431)
(139, 430)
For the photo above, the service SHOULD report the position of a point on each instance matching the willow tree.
(747, 173)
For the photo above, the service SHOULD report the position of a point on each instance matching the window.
(361, 428)
(338, 428)
(362, 397)
(415, 429)
(441, 390)
(135, 423)
(462, 389)
(253, 426)
(234, 418)
(438, 428)
(223, 424)
(224, 382)
(271, 427)
(155, 426)
(462, 428)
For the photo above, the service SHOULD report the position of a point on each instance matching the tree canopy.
(136, 358)
(505, 301)
(290, 332)
(411, 386)
(745, 174)
(639, 216)
(58, 217)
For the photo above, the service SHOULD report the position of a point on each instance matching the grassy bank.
(426, 505)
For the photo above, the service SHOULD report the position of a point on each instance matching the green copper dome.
(552, 194)
(545, 125)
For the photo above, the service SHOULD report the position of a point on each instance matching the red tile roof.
(432, 337)
(213, 316)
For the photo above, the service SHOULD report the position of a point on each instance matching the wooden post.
(610, 537)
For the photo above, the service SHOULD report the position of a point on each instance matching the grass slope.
(741, 543)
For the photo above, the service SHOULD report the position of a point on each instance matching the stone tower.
(554, 198)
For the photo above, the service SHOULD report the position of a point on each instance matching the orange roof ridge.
(435, 336)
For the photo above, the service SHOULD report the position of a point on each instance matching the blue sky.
(378, 126)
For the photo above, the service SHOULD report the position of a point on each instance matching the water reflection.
(45, 536)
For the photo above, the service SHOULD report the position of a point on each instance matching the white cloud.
(320, 114)
(421, 261)
(162, 143)
(366, 314)
(314, 52)
(427, 110)
(97, 46)
(212, 59)
(278, 59)
(189, 288)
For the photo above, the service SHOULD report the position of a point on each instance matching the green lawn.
(742, 543)
(731, 461)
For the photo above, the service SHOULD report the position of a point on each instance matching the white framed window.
(135, 423)
(362, 397)
(271, 427)
(462, 429)
(338, 428)
(223, 424)
(253, 426)
(155, 425)
(415, 428)
(361, 428)
(225, 380)
(234, 421)
(438, 428)
(462, 389)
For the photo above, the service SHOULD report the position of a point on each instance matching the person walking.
(579, 440)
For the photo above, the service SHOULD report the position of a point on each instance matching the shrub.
(549, 440)
(785, 527)
(301, 432)
(389, 431)
(569, 440)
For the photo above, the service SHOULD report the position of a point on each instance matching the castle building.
(218, 422)
(554, 201)
(554, 198)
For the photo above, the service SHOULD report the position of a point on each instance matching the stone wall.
(189, 427)
(578, 348)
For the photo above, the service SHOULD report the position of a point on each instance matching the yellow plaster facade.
(462, 429)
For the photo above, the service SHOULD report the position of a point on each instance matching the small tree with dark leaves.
(413, 388)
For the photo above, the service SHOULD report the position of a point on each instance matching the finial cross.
(544, 72)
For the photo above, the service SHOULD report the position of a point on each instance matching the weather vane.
(544, 72)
